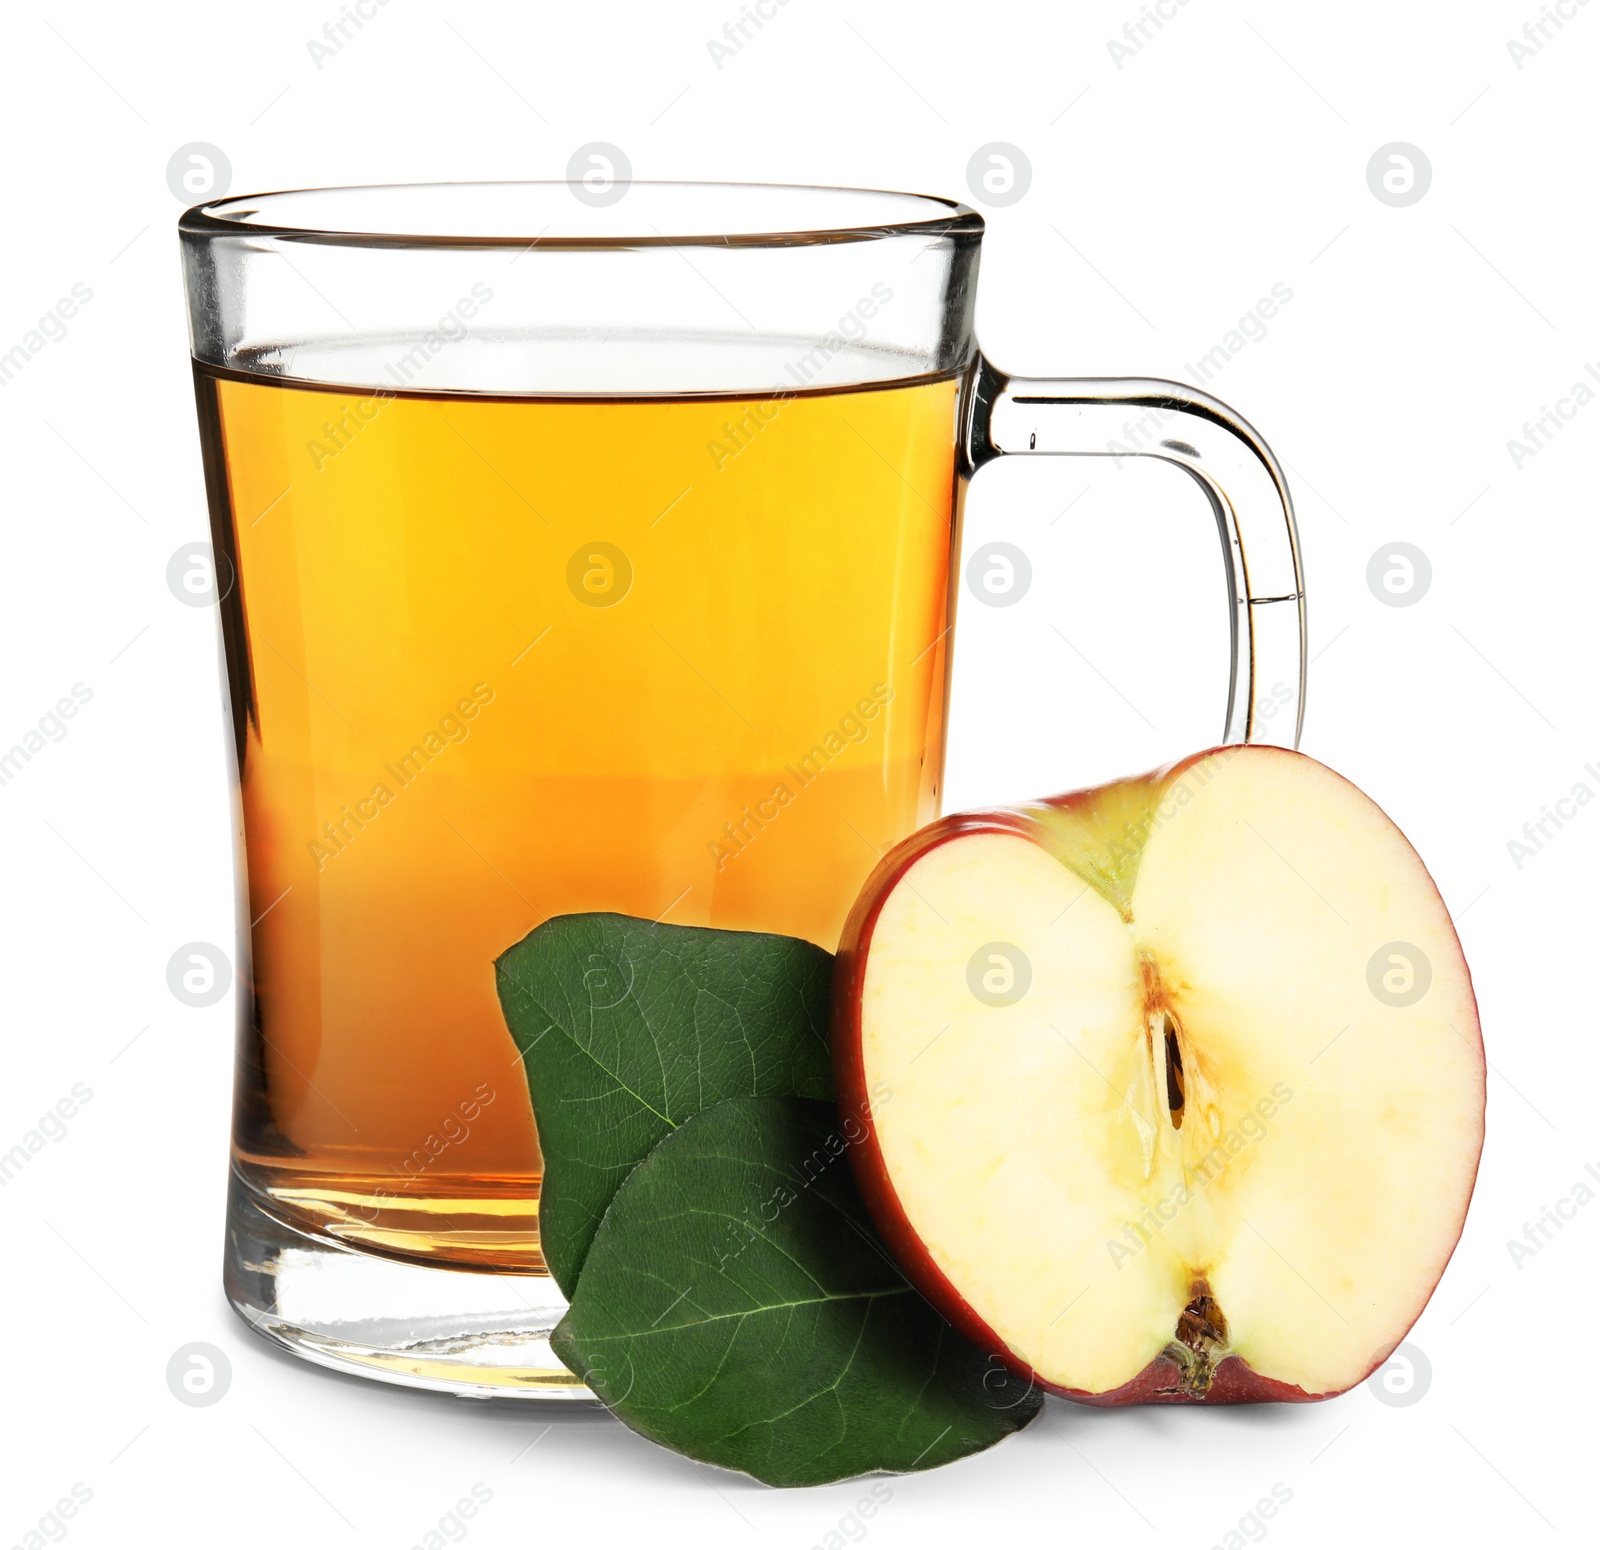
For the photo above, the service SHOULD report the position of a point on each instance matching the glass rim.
(252, 216)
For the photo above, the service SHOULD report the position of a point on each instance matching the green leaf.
(628, 1027)
(737, 1306)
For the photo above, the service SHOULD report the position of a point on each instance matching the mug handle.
(1147, 417)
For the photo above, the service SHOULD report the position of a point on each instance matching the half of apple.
(1170, 1090)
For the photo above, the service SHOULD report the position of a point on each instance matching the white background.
(1227, 154)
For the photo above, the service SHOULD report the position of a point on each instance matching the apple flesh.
(1171, 1090)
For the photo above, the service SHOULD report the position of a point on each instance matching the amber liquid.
(495, 660)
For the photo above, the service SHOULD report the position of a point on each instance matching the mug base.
(478, 1335)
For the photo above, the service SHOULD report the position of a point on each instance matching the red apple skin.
(1234, 1382)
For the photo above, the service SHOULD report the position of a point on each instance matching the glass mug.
(581, 549)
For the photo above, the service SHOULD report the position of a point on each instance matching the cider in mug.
(500, 660)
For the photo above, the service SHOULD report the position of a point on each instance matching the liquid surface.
(499, 660)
